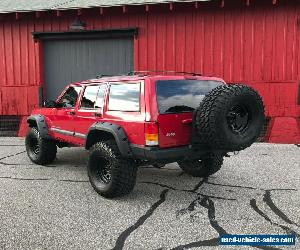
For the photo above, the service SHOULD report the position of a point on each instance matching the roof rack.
(105, 75)
(145, 72)
(100, 76)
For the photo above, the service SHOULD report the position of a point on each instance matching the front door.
(63, 119)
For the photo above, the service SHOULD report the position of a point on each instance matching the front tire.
(40, 151)
(204, 167)
(109, 174)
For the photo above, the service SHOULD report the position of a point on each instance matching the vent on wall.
(264, 131)
(9, 125)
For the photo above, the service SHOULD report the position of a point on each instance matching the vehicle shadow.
(77, 157)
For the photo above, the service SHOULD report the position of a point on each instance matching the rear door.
(176, 101)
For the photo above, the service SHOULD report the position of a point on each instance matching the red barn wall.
(256, 44)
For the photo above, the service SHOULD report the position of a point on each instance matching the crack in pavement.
(254, 206)
(266, 247)
(204, 180)
(24, 179)
(208, 204)
(15, 164)
(217, 197)
(227, 185)
(249, 187)
(268, 200)
(73, 181)
(42, 179)
(186, 190)
(281, 189)
(203, 200)
(8, 156)
(125, 234)
(206, 243)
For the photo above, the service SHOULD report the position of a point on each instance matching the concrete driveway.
(54, 207)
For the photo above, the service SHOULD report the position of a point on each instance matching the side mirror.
(50, 104)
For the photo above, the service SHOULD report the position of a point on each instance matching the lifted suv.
(128, 121)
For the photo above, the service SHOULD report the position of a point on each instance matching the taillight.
(151, 134)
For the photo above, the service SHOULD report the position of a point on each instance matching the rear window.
(175, 96)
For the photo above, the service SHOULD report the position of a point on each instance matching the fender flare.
(41, 125)
(116, 131)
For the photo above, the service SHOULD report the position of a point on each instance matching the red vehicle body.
(135, 124)
(128, 121)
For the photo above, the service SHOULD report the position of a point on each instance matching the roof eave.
(99, 6)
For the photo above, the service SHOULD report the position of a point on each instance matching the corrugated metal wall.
(254, 44)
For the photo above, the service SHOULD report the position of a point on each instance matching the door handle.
(72, 112)
(97, 114)
(187, 121)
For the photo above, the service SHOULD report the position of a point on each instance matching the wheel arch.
(39, 122)
(102, 131)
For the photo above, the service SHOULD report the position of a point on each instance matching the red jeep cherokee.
(128, 121)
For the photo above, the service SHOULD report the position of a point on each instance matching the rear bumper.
(158, 154)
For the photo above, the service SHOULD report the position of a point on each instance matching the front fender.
(41, 124)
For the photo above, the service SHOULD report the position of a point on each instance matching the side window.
(124, 97)
(68, 100)
(100, 97)
(89, 97)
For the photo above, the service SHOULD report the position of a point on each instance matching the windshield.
(175, 96)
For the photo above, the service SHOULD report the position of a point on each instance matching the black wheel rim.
(103, 170)
(34, 146)
(238, 119)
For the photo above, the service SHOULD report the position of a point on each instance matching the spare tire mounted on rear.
(230, 117)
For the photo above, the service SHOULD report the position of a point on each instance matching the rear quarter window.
(124, 97)
(176, 96)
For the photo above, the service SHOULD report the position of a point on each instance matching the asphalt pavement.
(55, 207)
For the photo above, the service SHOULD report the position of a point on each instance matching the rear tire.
(230, 117)
(204, 167)
(40, 151)
(110, 174)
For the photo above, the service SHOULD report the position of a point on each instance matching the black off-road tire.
(204, 167)
(110, 174)
(230, 117)
(40, 151)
